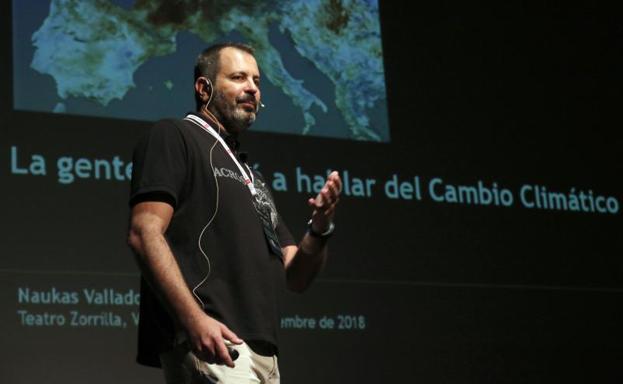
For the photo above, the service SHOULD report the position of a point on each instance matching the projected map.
(133, 59)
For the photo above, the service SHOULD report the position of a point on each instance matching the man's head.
(227, 82)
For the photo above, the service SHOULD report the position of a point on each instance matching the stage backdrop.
(478, 237)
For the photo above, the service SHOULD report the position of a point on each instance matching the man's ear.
(203, 87)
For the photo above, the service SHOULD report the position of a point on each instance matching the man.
(213, 251)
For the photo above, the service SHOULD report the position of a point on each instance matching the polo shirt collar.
(231, 141)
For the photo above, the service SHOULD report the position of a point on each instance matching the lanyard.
(206, 127)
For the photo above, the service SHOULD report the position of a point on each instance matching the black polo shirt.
(179, 163)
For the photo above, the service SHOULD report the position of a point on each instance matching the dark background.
(512, 93)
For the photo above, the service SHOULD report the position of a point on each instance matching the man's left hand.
(325, 202)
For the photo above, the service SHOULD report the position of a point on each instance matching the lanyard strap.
(248, 181)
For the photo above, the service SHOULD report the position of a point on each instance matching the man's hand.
(207, 339)
(303, 262)
(325, 202)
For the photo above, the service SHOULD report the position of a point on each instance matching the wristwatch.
(324, 235)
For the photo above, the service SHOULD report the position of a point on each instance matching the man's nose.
(251, 87)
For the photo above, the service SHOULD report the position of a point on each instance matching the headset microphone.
(258, 106)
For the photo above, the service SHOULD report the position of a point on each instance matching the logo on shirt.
(263, 199)
(228, 173)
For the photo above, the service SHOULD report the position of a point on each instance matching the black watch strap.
(324, 235)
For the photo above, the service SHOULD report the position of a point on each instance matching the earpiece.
(208, 86)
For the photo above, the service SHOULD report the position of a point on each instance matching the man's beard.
(231, 116)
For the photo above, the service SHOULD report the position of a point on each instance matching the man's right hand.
(207, 340)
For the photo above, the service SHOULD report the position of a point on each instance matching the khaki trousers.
(181, 366)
